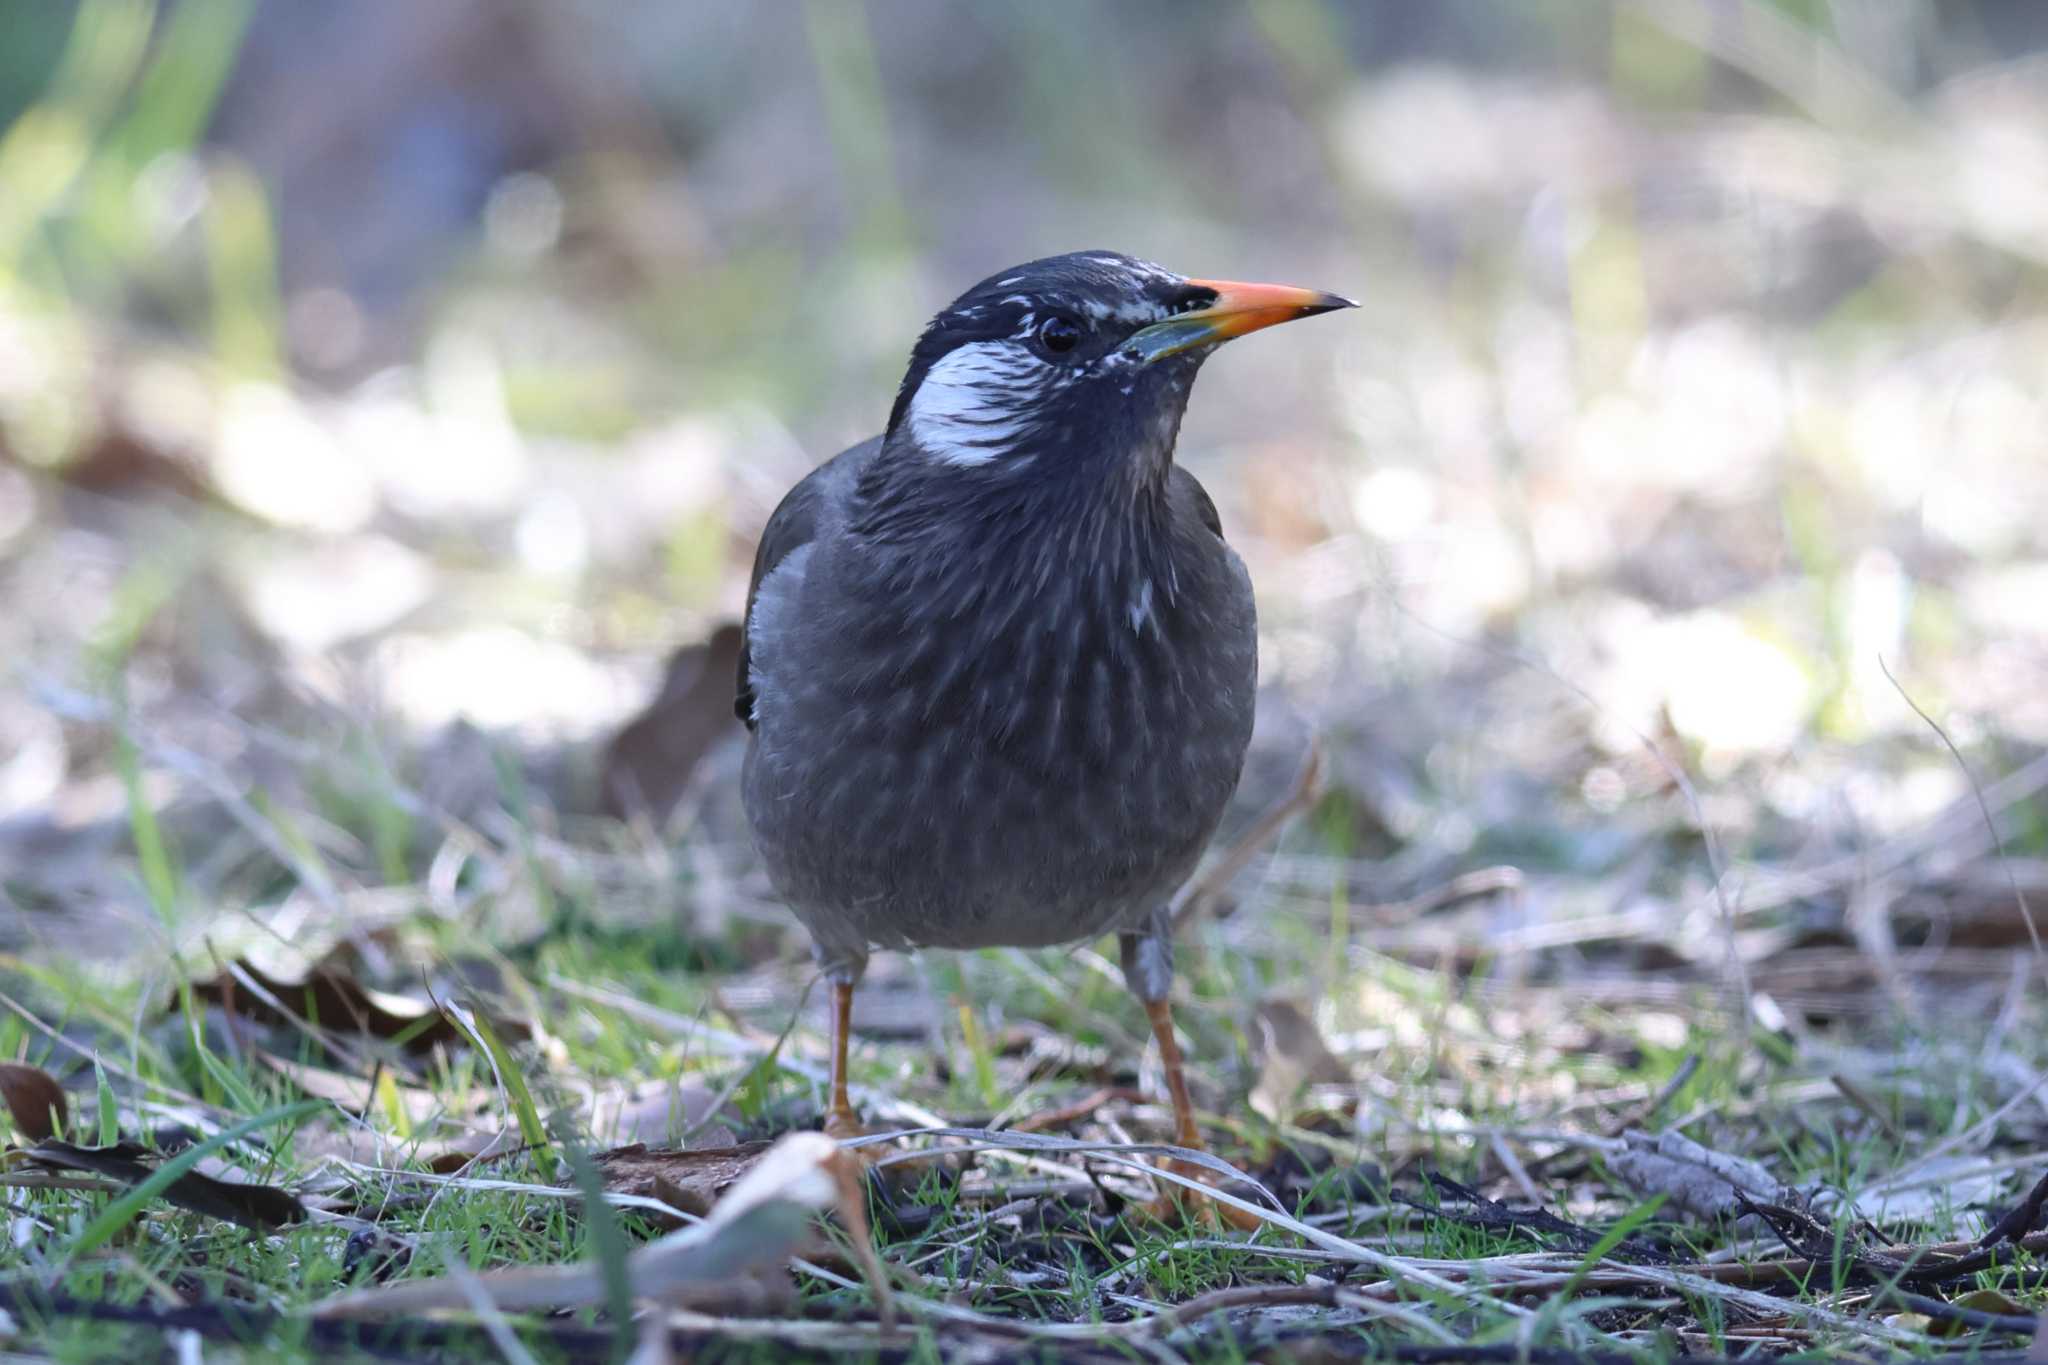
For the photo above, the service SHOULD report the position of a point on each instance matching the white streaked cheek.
(977, 402)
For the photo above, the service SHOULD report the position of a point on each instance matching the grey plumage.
(999, 663)
(968, 744)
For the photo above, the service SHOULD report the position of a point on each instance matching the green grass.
(1453, 1063)
(1081, 1269)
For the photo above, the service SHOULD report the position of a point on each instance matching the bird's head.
(1073, 359)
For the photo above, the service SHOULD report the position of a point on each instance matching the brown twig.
(2021, 1219)
(1079, 1109)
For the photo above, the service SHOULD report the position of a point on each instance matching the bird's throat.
(1092, 542)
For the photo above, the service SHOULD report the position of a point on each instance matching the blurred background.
(391, 393)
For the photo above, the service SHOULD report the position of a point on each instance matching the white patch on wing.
(975, 403)
(1141, 608)
(766, 625)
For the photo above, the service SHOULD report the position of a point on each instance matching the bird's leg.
(842, 971)
(1185, 1132)
(1148, 969)
(840, 1120)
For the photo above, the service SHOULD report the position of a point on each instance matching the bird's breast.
(1014, 765)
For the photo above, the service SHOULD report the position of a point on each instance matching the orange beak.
(1237, 309)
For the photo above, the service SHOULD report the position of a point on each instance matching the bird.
(998, 663)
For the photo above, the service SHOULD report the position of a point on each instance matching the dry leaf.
(1292, 1057)
(648, 764)
(1694, 1179)
(474, 1146)
(688, 1180)
(354, 1143)
(331, 997)
(35, 1100)
(1978, 1301)
(754, 1228)
(124, 457)
(358, 1095)
(261, 1207)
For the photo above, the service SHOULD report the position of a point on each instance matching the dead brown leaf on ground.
(34, 1099)
(473, 1146)
(649, 763)
(330, 997)
(1292, 1057)
(1696, 1180)
(753, 1230)
(251, 1205)
(687, 1180)
(359, 1094)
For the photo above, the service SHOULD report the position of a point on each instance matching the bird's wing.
(817, 502)
(1184, 488)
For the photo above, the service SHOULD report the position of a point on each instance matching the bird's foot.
(1177, 1203)
(842, 1125)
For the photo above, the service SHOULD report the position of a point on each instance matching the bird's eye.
(1058, 334)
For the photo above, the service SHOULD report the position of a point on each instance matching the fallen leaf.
(353, 1143)
(754, 1228)
(123, 458)
(332, 998)
(35, 1100)
(261, 1207)
(1697, 1180)
(1979, 1301)
(688, 1180)
(474, 1146)
(1292, 1057)
(357, 1094)
(648, 764)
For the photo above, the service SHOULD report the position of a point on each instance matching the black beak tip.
(1329, 303)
